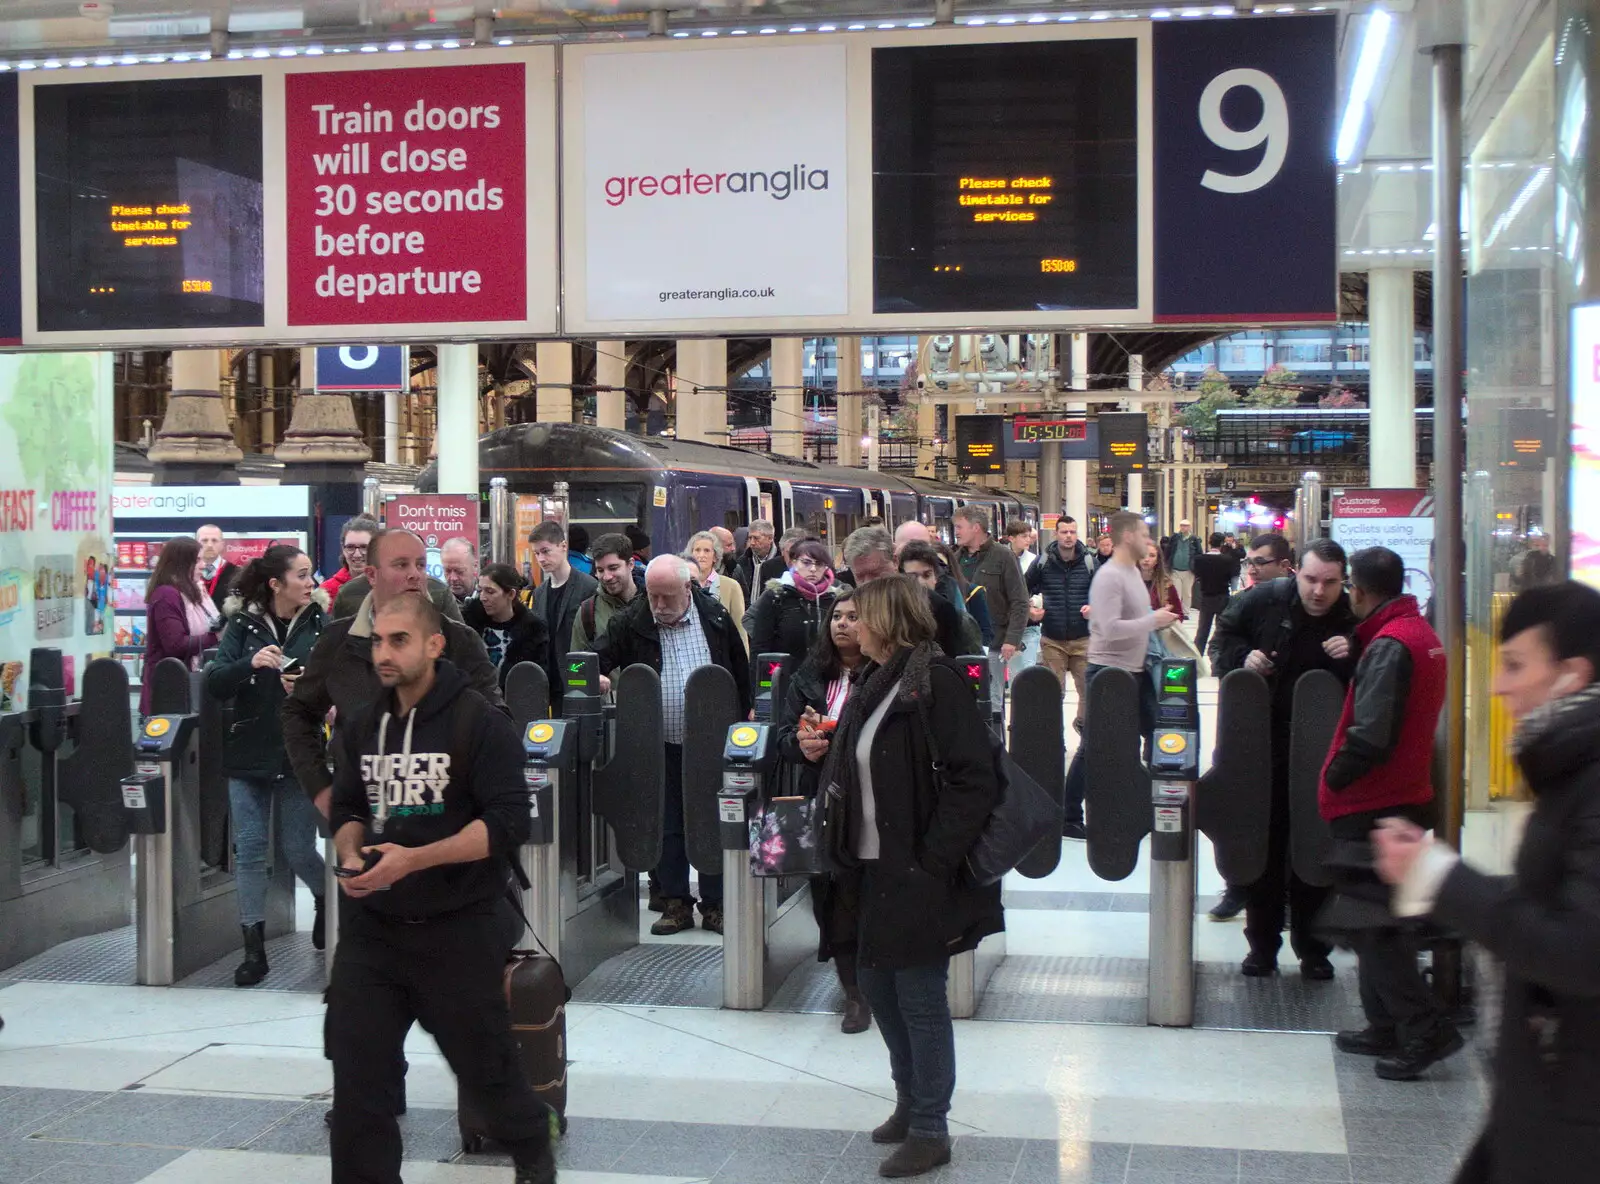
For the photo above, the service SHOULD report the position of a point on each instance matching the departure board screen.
(1005, 177)
(148, 210)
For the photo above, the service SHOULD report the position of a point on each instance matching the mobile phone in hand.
(292, 667)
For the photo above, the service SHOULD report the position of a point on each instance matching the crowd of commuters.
(371, 705)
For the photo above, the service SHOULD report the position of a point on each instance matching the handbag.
(785, 838)
(1024, 816)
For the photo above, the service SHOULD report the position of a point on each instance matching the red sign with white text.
(406, 195)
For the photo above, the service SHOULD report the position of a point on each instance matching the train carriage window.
(817, 523)
(946, 530)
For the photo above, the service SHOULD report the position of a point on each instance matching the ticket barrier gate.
(186, 914)
(768, 929)
(1170, 800)
(73, 880)
(597, 825)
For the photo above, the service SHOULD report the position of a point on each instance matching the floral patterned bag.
(784, 838)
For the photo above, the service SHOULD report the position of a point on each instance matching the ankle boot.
(319, 925)
(915, 1157)
(897, 1128)
(254, 967)
(857, 1013)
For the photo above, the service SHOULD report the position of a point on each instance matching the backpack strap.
(587, 610)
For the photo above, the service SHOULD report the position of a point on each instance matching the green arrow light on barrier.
(1174, 673)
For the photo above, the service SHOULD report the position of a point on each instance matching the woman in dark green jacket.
(275, 616)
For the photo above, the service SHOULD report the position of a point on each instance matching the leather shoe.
(1368, 1042)
(1317, 970)
(857, 1013)
(1229, 905)
(1074, 830)
(916, 1156)
(896, 1129)
(1259, 965)
(1421, 1052)
(711, 920)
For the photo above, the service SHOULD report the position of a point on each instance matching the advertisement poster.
(714, 183)
(405, 195)
(55, 512)
(435, 518)
(1585, 474)
(1400, 519)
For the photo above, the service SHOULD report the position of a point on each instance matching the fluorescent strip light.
(1374, 45)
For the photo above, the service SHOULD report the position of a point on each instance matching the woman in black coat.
(900, 832)
(511, 631)
(817, 693)
(793, 611)
(1543, 921)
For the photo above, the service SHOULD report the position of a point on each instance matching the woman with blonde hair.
(704, 553)
(908, 783)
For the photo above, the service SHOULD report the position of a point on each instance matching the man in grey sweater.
(1120, 623)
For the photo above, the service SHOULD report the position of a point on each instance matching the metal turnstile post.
(1174, 770)
(747, 760)
(148, 794)
(551, 747)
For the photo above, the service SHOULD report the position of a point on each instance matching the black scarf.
(841, 773)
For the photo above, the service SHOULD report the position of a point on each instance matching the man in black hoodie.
(429, 807)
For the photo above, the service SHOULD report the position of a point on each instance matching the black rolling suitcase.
(537, 995)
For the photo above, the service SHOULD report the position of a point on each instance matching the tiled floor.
(114, 1084)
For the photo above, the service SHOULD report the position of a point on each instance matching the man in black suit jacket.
(216, 573)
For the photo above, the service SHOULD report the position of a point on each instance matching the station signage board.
(435, 518)
(1076, 436)
(980, 445)
(928, 180)
(362, 368)
(1583, 344)
(1399, 519)
(1124, 441)
(1525, 437)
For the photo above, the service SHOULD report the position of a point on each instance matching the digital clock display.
(1034, 431)
(1005, 176)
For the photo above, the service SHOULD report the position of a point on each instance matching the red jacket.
(333, 583)
(1382, 750)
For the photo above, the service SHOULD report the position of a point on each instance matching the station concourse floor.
(107, 1083)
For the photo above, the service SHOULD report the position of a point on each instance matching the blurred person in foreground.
(1543, 920)
(908, 784)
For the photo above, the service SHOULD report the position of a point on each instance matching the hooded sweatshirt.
(417, 778)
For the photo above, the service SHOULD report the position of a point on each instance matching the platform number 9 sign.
(1271, 130)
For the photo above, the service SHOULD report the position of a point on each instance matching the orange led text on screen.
(996, 198)
(152, 225)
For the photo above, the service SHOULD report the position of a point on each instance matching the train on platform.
(672, 488)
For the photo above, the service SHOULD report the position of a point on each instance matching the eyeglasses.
(808, 562)
(1257, 561)
(355, 548)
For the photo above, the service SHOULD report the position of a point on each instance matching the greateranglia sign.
(291, 503)
(713, 182)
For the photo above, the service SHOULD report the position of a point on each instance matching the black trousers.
(1208, 607)
(447, 975)
(1265, 899)
(1077, 784)
(1394, 995)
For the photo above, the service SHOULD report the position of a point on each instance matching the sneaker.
(539, 1170)
(917, 1156)
(1368, 1042)
(1418, 1054)
(1259, 965)
(1074, 830)
(675, 918)
(1229, 905)
(711, 919)
(1316, 970)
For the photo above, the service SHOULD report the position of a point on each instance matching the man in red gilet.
(1378, 767)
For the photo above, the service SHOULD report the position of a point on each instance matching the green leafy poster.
(56, 473)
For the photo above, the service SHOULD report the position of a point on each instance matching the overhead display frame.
(401, 198)
(748, 194)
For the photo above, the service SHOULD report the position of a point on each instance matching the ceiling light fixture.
(1363, 84)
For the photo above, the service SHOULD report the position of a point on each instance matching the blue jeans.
(913, 1016)
(1027, 653)
(251, 799)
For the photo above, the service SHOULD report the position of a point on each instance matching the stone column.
(194, 445)
(553, 398)
(1391, 329)
(457, 432)
(702, 390)
(322, 443)
(788, 397)
(611, 370)
(847, 378)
